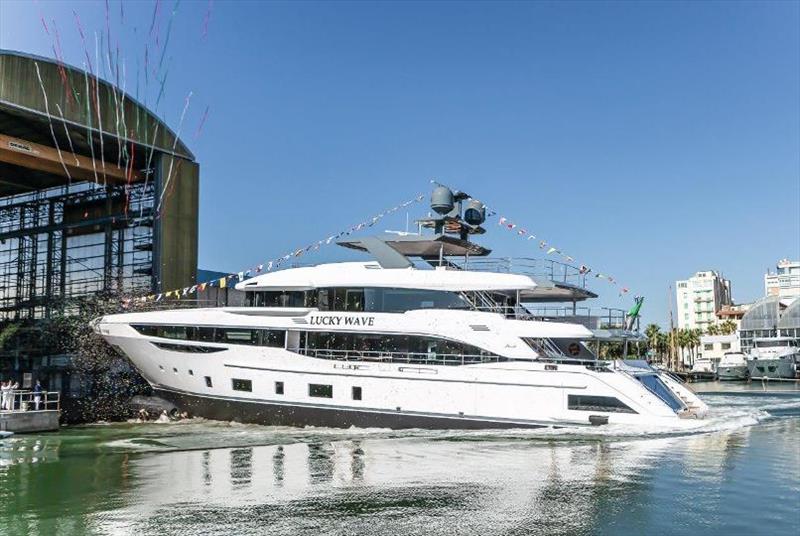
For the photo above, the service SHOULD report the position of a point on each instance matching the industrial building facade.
(98, 203)
(97, 195)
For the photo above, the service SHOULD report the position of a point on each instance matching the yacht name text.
(342, 320)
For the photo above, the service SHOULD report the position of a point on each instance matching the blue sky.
(648, 140)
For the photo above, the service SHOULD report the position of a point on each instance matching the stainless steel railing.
(14, 401)
(416, 358)
(547, 268)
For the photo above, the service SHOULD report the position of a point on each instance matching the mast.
(671, 331)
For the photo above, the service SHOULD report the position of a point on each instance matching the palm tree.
(693, 341)
(681, 336)
(663, 344)
(727, 328)
(652, 331)
(714, 329)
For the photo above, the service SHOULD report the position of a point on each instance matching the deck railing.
(14, 401)
(591, 317)
(414, 358)
(550, 269)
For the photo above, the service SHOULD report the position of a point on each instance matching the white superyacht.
(442, 343)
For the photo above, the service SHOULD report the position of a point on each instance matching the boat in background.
(773, 358)
(732, 366)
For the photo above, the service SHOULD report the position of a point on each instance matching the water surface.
(735, 473)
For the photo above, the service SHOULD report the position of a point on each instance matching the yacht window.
(236, 336)
(188, 349)
(149, 331)
(242, 385)
(323, 299)
(354, 300)
(318, 390)
(387, 347)
(356, 393)
(208, 381)
(278, 388)
(657, 386)
(339, 297)
(395, 300)
(173, 332)
(273, 337)
(204, 334)
(607, 404)
(390, 300)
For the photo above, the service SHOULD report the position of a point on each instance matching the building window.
(242, 385)
(597, 403)
(278, 388)
(318, 390)
(708, 346)
(356, 393)
(208, 381)
(191, 372)
(726, 346)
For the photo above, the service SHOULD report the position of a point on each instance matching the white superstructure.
(393, 344)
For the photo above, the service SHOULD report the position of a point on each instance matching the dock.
(22, 414)
(695, 376)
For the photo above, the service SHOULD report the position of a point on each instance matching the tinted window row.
(377, 300)
(405, 348)
(190, 349)
(607, 404)
(256, 337)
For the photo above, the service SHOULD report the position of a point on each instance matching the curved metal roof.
(790, 319)
(764, 314)
(123, 119)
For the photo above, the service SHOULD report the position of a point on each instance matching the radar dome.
(442, 200)
(475, 214)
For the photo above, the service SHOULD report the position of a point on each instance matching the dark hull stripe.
(268, 413)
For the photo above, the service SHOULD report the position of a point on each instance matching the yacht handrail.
(547, 268)
(416, 358)
(433, 358)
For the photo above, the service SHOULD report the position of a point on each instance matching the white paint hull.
(517, 392)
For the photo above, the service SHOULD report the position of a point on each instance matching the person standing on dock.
(11, 388)
(37, 395)
(5, 397)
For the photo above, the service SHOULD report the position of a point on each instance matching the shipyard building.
(98, 199)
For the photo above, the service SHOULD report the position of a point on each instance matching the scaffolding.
(71, 242)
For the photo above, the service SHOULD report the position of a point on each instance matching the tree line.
(683, 339)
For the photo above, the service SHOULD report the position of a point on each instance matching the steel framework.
(66, 243)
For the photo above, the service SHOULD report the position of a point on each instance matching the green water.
(735, 473)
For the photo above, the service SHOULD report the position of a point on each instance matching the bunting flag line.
(275, 263)
(523, 232)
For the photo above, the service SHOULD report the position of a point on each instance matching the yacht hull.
(732, 373)
(779, 368)
(268, 413)
(282, 385)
